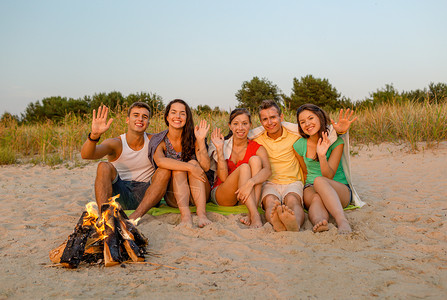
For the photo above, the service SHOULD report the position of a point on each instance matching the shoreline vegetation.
(49, 143)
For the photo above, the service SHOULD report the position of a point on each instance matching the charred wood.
(74, 249)
(112, 249)
(112, 238)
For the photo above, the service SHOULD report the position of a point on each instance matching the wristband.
(92, 140)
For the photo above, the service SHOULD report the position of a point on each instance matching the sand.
(398, 248)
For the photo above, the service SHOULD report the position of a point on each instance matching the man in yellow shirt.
(282, 193)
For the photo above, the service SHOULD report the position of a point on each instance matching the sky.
(202, 51)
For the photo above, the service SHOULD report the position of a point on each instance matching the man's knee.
(161, 175)
(292, 199)
(106, 170)
(269, 200)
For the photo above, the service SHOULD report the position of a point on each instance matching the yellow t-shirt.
(284, 164)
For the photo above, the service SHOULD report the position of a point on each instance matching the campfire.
(109, 237)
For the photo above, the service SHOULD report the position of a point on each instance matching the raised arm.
(100, 124)
(328, 167)
(244, 191)
(343, 124)
(171, 164)
(200, 131)
(218, 140)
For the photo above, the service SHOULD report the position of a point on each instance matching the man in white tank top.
(128, 171)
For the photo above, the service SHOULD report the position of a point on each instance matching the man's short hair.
(266, 104)
(141, 105)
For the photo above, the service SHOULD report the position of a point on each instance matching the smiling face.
(271, 121)
(176, 117)
(309, 122)
(240, 125)
(138, 119)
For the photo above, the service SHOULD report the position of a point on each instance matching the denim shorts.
(213, 196)
(131, 192)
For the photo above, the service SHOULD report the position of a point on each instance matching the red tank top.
(252, 148)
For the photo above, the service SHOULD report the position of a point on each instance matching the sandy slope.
(398, 248)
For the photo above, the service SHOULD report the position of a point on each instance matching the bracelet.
(92, 140)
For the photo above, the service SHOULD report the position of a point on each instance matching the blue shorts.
(213, 195)
(131, 192)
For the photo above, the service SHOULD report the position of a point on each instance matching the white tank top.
(134, 165)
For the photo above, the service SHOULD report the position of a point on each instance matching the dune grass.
(410, 123)
(53, 144)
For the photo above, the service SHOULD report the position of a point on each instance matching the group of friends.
(282, 167)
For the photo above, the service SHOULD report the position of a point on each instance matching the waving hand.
(217, 138)
(343, 123)
(323, 145)
(99, 121)
(201, 130)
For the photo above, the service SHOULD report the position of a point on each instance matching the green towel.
(223, 210)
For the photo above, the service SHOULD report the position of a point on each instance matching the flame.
(92, 214)
(92, 210)
(100, 222)
(113, 203)
(100, 228)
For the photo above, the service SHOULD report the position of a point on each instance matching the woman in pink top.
(241, 174)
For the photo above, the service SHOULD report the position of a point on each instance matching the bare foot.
(185, 221)
(245, 220)
(275, 220)
(320, 226)
(288, 218)
(255, 221)
(344, 227)
(203, 221)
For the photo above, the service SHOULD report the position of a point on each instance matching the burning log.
(135, 253)
(139, 238)
(56, 253)
(111, 237)
(112, 251)
(93, 250)
(74, 249)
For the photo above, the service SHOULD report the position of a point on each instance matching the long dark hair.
(234, 113)
(188, 137)
(321, 114)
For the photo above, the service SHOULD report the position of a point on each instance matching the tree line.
(307, 89)
(57, 107)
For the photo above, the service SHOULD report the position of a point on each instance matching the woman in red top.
(241, 172)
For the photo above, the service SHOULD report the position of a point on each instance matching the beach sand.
(398, 248)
